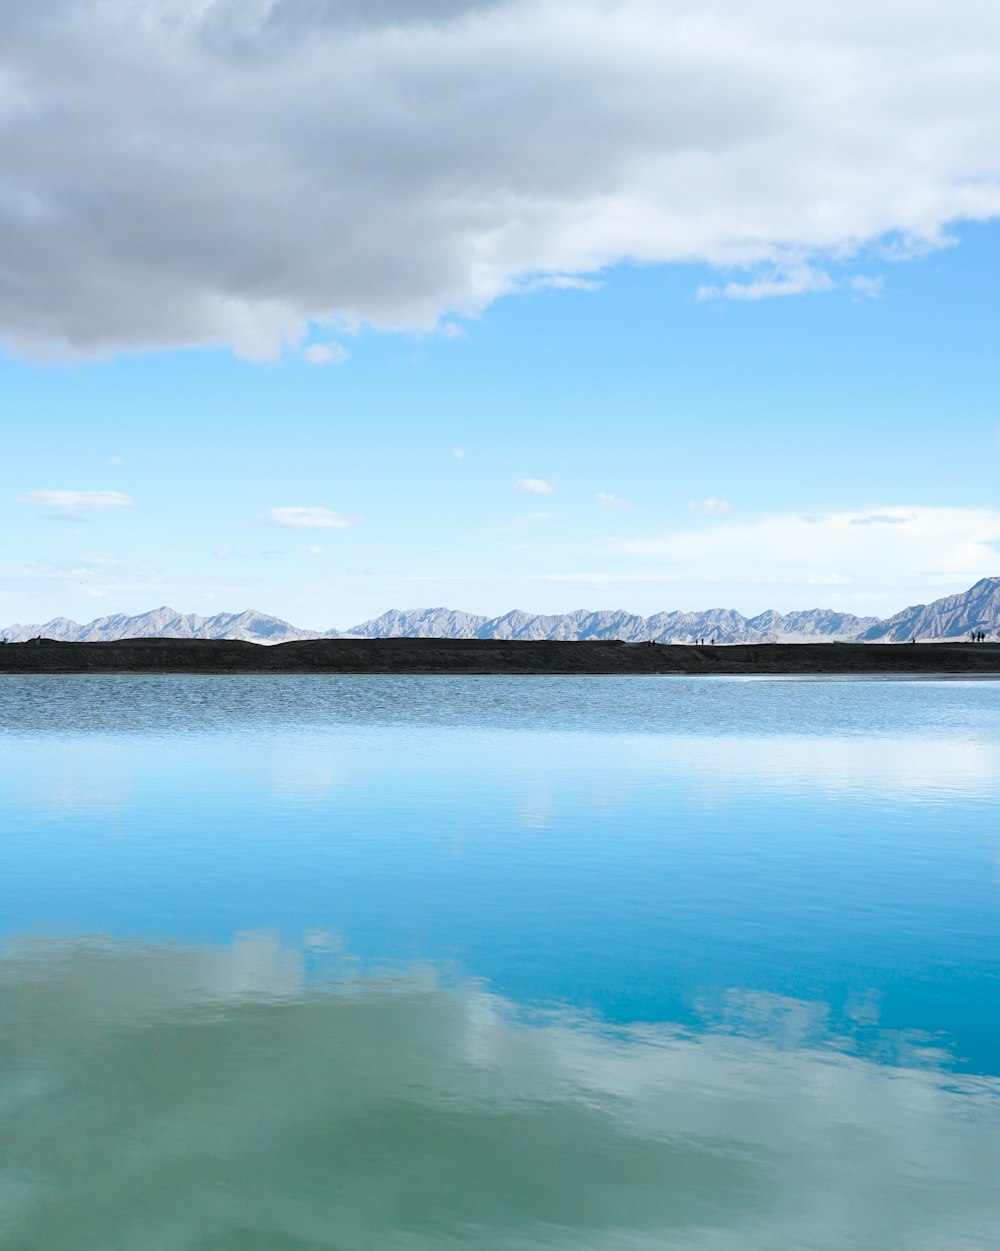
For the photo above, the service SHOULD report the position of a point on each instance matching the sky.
(323, 307)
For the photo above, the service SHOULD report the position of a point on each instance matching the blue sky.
(626, 409)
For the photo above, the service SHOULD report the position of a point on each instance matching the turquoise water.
(348, 962)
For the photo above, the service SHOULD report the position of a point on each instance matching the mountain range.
(952, 617)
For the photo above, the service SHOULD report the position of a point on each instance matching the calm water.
(414, 964)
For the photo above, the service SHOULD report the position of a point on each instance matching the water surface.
(350, 962)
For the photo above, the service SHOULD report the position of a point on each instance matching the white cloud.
(797, 280)
(847, 552)
(452, 330)
(867, 288)
(304, 161)
(881, 519)
(326, 353)
(611, 501)
(561, 282)
(710, 505)
(534, 486)
(315, 551)
(242, 553)
(458, 453)
(308, 518)
(75, 504)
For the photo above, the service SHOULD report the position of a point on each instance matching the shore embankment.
(489, 656)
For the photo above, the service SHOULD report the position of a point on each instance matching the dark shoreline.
(488, 656)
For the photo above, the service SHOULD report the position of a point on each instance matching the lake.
(574, 964)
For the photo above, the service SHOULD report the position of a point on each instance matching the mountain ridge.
(951, 617)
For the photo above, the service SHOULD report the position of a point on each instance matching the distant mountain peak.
(166, 622)
(951, 617)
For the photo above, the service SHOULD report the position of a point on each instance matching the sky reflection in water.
(487, 962)
(225, 1097)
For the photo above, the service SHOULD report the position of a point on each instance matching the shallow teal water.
(431, 962)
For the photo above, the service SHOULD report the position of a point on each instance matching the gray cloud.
(201, 171)
(236, 25)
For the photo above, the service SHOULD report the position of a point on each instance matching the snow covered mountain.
(952, 617)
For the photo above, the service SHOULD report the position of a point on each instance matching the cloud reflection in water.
(257, 1096)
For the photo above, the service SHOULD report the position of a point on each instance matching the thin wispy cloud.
(719, 132)
(866, 288)
(458, 453)
(560, 282)
(892, 545)
(303, 518)
(326, 354)
(711, 506)
(75, 505)
(535, 486)
(611, 501)
(800, 280)
(881, 519)
(242, 553)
